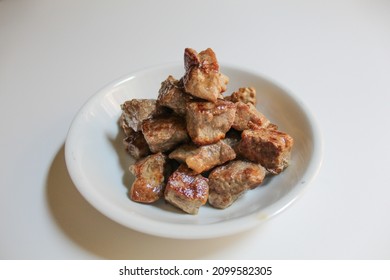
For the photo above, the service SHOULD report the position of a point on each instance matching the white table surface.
(334, 55)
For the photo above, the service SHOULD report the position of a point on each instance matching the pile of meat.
(194, 146)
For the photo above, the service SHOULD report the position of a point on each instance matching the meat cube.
(150, 178)
(164, 133)
(202, 77)
(203, 158)
(248, 117)
(245, 95)
(207, 122)
(228, 182)
(172, 95)
(136, 145)
(270, 148)
(187, 190)
(137, 110)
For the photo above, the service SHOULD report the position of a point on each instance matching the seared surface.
(207, 122)
(137, 110)
(164, 133)
(230, 181)
(203, 158)
(202, 77)
(245, 95)
(187, 190)
(172, 95)
(270, 148)
(149, 183)
(248, 117)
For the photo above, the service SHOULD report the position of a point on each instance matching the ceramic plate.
(98, 164)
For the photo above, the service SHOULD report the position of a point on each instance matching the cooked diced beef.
(205, 157)
(219, 146)
(245, 95)
(207, 122)
(136, 145)
(248, 117)
(164, 133)
(150, 178)
(270, 148)
(135, 111)
(172, 95)
(228, 182)
(202, 77)
(187, 190)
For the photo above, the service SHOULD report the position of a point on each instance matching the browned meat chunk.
(164, 133)
(248, 117)
(245, 95)
(136, 145)
(203, 158)
(149, 183)
(228, 182)
(202, 78)
(207, 122)
(270, 148)
(187, 190)
(172, 95)
(137, 110)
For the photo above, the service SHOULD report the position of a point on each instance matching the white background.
(334, 55)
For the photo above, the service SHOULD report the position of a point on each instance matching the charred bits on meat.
(193, 145)
(187, 190)
(150, 180)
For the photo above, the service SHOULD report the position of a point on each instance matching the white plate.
(98, 164)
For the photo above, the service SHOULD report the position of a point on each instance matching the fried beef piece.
(203, 158)
(172, 95)
(228, 182)
(202, 77)
(135, 111)
(270, 148)
(245, 95)
(164, 133)
(136, 145)
(207, 122)
(248, 117)
(187, 190)
(150, 173)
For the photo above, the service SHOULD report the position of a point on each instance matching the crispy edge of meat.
(149, 183)
(244, 94)
(205, 157)
(248, 117)
(202, 77)
(271, 148)
(172, 95)
(228, 182)
(124, 126)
